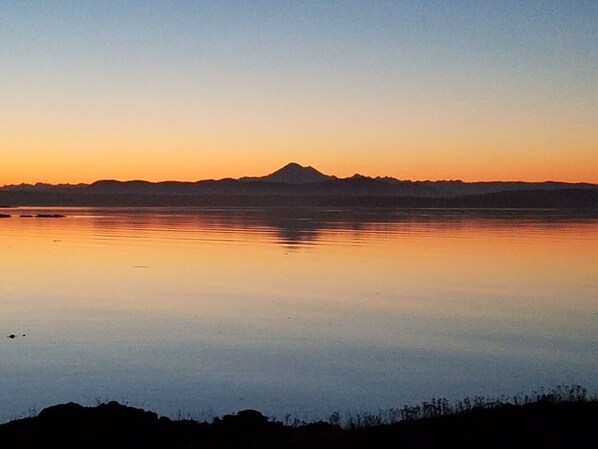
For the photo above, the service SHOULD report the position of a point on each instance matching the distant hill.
(296, 184)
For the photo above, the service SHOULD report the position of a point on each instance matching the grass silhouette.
(565, 416)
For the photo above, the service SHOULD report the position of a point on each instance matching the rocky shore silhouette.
(542, 421)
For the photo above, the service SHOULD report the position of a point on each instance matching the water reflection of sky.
(302, 312)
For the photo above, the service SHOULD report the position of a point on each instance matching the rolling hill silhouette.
(304, 185)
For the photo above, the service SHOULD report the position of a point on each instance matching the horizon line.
(287, 165)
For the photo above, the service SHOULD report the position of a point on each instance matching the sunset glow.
(282, 223)
(195, 90)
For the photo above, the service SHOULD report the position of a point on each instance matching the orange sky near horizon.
(198, 90)
(69, 159)
(193, 169)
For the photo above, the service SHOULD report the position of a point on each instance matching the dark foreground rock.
(111, 425)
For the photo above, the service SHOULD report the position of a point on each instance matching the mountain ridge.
(296, 174)
(307, 185)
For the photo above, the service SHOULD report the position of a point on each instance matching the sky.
(188, 90)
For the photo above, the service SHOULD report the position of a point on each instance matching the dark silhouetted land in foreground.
(294, 184)
(545, 421)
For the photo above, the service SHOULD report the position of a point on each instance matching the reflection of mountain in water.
(296, 231)
(304, 226)
(307, 225)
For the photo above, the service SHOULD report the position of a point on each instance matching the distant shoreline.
(296, 185)
(526, 199)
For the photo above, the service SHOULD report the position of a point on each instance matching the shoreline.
(564, 417)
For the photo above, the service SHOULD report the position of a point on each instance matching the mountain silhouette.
(292, 173)
(295, 184)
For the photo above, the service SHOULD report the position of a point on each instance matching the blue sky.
(240, 87)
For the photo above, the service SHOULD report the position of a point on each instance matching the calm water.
(305, 312)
